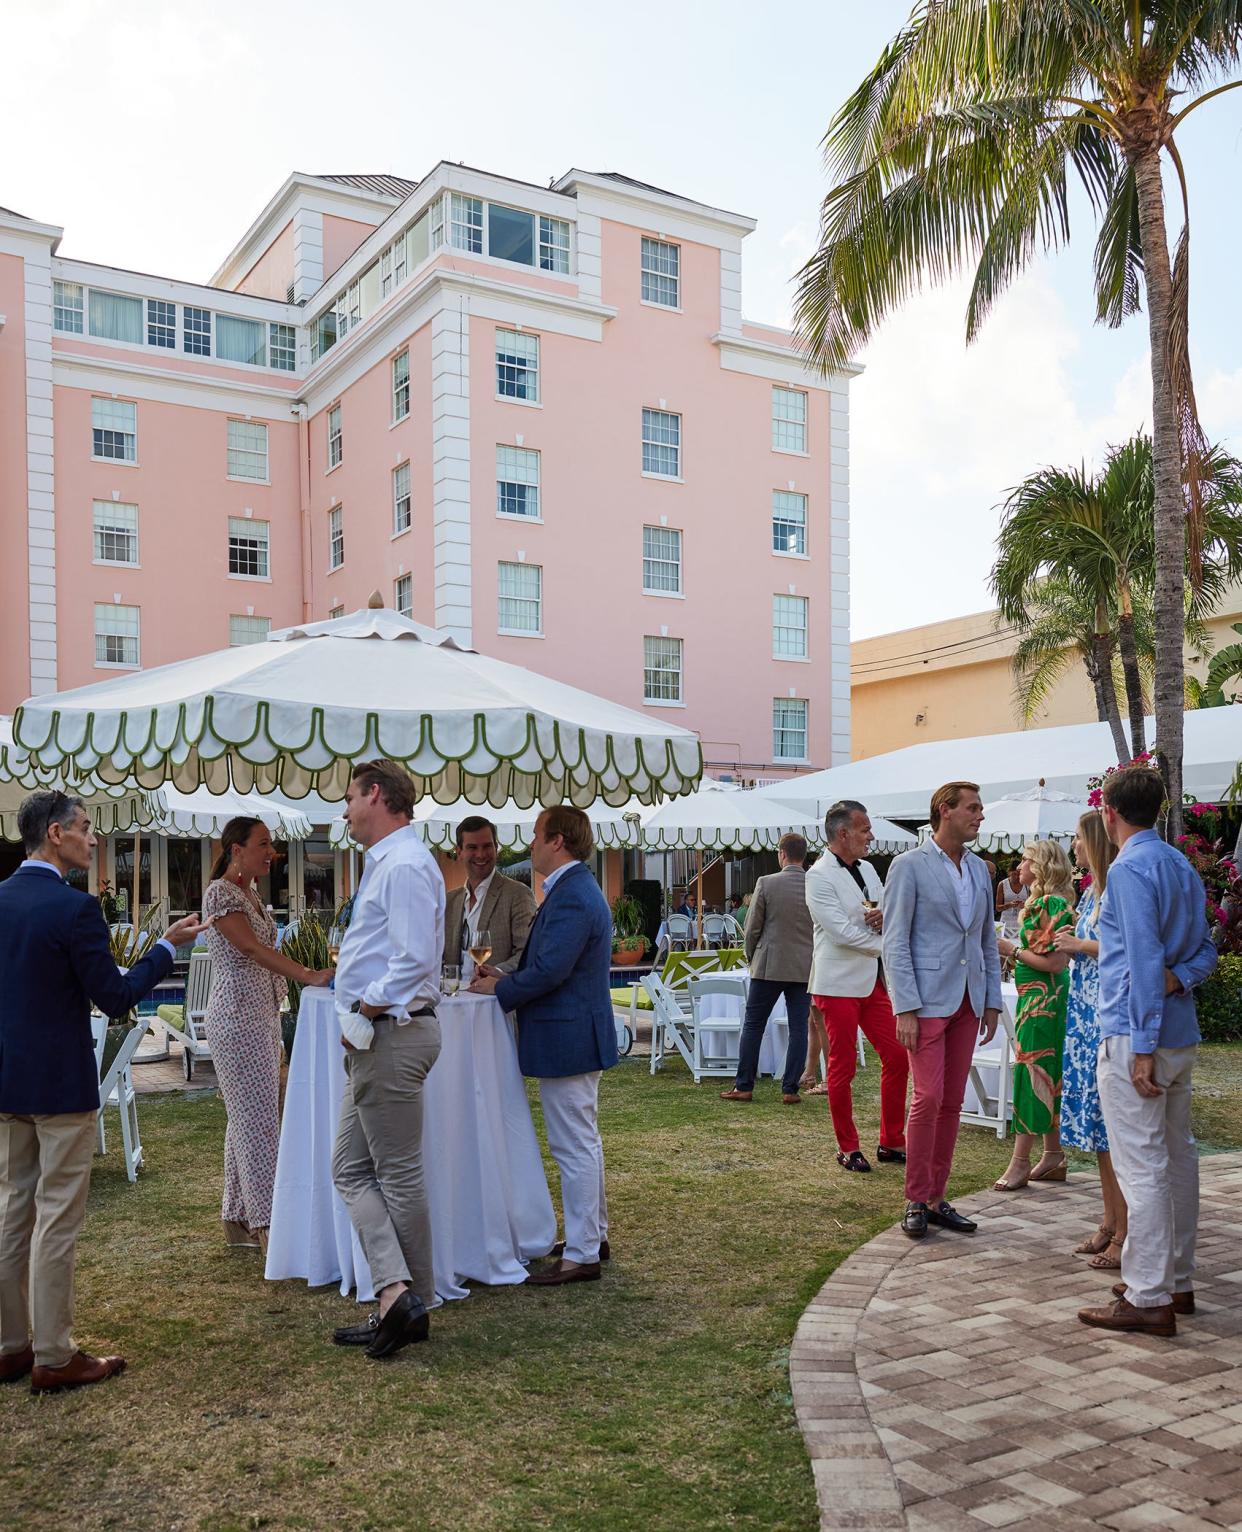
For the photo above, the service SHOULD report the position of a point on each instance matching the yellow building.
(951, 680)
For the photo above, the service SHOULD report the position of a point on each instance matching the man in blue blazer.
(54, 960)
(566, 1032)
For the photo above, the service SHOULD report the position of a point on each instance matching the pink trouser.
(940, 1065)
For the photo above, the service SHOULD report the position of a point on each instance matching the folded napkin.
(355, 1028)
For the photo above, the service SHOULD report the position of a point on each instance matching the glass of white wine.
(450, 978)
(481, 947)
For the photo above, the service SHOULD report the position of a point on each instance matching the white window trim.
(237, 478)
(648, 303)
(661, 478)
(252, 579)
(665, 595)
(519, 632)
(117, 462)
(657, 702)
(792, 659)
(526, 404)
(525, 521)
(114, 564)
(788, 553)
(790, 452)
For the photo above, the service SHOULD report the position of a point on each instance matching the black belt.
(427, 1010)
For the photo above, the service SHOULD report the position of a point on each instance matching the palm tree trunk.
(1105, 691)
(1134, 681)
(1170, 523)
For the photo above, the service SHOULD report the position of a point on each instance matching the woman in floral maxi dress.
(248, 982)
(1040, 972)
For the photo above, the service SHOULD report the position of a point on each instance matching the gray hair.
(839, 815)
(42, 810)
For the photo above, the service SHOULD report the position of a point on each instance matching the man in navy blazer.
(54, 960)
(566, 1032)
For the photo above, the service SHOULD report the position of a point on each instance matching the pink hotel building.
(533, 416)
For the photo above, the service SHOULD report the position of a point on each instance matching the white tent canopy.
(613, 828)
(900, 784)
(292, 714)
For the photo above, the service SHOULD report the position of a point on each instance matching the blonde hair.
(1100, 853)
(1053, 873)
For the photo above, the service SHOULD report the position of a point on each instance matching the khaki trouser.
(45, 1174)
(377, 1164)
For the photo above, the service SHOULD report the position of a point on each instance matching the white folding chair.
(991, 1079)
(701, 988)
(118, 1084)
(192, 1033)
(670, 1025)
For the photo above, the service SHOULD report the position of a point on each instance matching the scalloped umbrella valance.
(1038, 814)
(711, 820)
(113, 810)
(293, 713)
(205, 814)
(614, 828)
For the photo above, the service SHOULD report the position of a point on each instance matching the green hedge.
(1219, 1003)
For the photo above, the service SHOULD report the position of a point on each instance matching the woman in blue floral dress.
(1082, 1121)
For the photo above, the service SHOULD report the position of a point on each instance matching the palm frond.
(1119, 251)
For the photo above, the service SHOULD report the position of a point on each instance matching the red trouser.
(843, 1015)
(940, 1065)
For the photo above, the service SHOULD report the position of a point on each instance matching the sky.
(154, 133)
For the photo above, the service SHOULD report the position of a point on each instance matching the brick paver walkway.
(947, 1382)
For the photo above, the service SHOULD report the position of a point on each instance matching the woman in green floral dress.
(1041, 974)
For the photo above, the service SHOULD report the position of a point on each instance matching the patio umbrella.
(295, 712)
(613, 828)
(1038, 814)
(112, 809)
(203, 813)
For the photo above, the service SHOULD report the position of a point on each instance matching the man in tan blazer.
(778, 948)
(487, 901)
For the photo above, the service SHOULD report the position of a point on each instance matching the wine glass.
(450, 978)
(481, 947)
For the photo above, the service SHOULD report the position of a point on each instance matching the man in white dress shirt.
(387, 986)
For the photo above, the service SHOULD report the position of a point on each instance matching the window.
(116, 635)
(401, 385)
(661, 268)
(67, 307)
(662, 443)
(466, 223)
(661, 669)
(385, 265)
(789, 627)
(196, 331)
(282, 346)
(553, 244)
(510, 234)
(115, 317)
(335, 448)
(248, 630)
(437, 223)
(788, 420)
(114, 430)
(520, 590)
(398, 261)
(116, 532)
(353, 305)
(336, 537)
(325, 333)
(248, 547)
(789, 729)
(401, 499)
(517, 365)
(335, 612)
(417, 238)
(161, 323)
(241, 340)
(403, 595)
(661, 559)
(247, 457)
(788, 522)
(517, 481)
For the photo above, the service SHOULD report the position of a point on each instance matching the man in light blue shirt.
(1155, 948)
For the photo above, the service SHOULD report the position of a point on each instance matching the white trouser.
(570, 1107)
(1157, 1165)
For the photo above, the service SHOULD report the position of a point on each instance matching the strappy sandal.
(1057, 1171)
(1005, 1184)
(806, 1082)
(1105, 1261)
(1093, 1245)
(821, 1089)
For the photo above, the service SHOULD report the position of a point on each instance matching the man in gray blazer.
(487, 901)
(943, 973)
(778, 941)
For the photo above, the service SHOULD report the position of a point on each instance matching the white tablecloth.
(723, 1042)
(490, 1207)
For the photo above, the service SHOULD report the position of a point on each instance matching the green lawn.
(658, 1398)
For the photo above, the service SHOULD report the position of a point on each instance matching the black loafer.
(890, 1156)
(915, 1221)
(856, 1160)
(948, 1218)
(405, 1322)
(357, 1335)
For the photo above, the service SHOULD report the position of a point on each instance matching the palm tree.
(1226, 666)
(957, 150)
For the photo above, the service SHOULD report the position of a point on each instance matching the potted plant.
(628, 941)
(127, 947)
(306, 943)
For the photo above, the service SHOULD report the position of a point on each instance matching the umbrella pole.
(699, 900)
(137, 879)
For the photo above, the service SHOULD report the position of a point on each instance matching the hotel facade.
(532, 416)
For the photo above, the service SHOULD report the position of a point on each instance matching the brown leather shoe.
(1183, 1303)
(77, 1372)
(736, 1095)
(238, 1237)
(1124, 1316)
(558, 1250)
(794, 1100)
(558, 1275)
(16, 1365)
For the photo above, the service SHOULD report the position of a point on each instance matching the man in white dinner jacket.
(846, 899)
